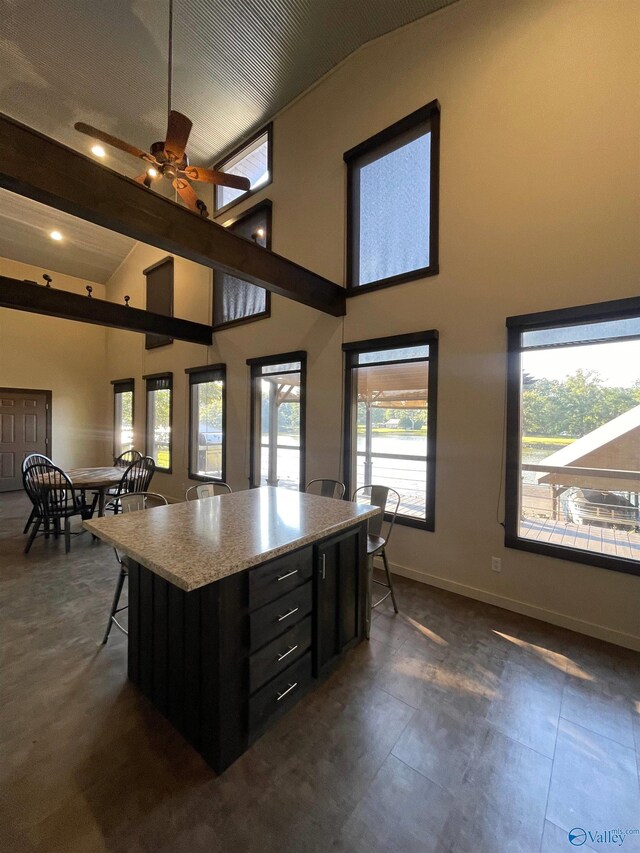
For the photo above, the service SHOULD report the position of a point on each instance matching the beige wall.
(65, 358)
(539, 210)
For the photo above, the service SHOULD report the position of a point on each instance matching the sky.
(617, 363)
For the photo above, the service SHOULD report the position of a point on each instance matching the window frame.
(266, 205)
(147, 443)
(256, 365)
(219, 166)
(428, 113)
(130, 384)
(351, 351)
(613, 310)
(221, 369)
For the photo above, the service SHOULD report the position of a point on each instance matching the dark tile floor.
(458, 727)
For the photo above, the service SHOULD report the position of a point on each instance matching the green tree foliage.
(573, 406)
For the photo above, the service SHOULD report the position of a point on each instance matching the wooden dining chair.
(136, 478)
(124, 460)
(206, 490)
(128, 503)
(31, 459)
(54, 500)
(326, 488)
(378, 535)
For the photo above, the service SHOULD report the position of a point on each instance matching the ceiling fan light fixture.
(98, 150)
(56, 235)
(153, 173)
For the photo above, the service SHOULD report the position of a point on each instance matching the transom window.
(123, 390)
(278, 388)
(252, 160)
(236, 301)
(390, 420)
(159, 419)
(392, 203)
(207, 422)
(573, 434)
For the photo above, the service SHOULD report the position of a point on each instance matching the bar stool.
(128, 503)
(388, 500)
(326, 488)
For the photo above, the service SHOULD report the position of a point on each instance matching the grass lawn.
(163, 460)
(547, 440)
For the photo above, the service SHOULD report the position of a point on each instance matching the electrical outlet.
(496, 564)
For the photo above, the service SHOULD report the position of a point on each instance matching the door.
(24, 429)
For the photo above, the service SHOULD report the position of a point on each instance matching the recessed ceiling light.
(56, 235)
(98, 150)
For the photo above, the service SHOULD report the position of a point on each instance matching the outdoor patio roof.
(393, 386)
(614, 446)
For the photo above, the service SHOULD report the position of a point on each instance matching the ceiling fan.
(168, 159)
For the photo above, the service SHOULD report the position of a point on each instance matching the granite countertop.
(196, 543)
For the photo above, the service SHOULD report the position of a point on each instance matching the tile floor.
(458, 727)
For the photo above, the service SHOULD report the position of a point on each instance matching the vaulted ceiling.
(236, 64)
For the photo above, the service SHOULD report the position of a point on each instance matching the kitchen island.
(238, 604)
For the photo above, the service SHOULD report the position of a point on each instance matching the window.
(159, 297)
(253, 160)
(236, 301)
(573, 434)
(278, 387)
(392, 203)
(207, 386)
(122, 416)
(159, 419)
(390, 420)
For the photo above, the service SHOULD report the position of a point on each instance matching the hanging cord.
(170, 80)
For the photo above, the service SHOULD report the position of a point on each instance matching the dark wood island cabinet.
(238, 604)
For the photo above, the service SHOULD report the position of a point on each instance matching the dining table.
(99, 480)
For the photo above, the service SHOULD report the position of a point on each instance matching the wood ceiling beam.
(37, 299)
(42, 169)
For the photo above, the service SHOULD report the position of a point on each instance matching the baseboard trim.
(591, 629)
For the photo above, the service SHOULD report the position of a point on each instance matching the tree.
(574, 406)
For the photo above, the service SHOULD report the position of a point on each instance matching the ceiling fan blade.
(189, 197)
(178, 130)
(210, 176)
(111, 140)
(144, 178)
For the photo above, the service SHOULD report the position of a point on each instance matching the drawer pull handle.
(290, 613)
(288, 575)
(288, 690)
(287, 653)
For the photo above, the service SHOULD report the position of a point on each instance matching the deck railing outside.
(593, 509)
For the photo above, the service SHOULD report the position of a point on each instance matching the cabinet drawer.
(268, 582)
(279, 695)
(274, 619)
(279, 654)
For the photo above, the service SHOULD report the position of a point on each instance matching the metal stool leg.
(389, 581)
(369, 604)
(116, 600)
